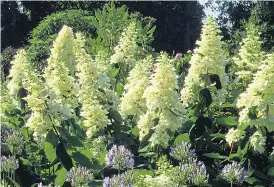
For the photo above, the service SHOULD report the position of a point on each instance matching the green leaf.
(81, 159)
(228, 121)
(113, 72)
(251, 180)
(143, 172)
(49, 151)
(218, 135)
(234, 155)
(215, 155)
(181, 138)
(61, 177)
(102, 157)
(135, 131)
(63, 156)
(271, 171)
(14, 182)
(119, 89)
(205, 97)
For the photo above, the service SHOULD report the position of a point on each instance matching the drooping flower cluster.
(61, 67)
(122, 180)
(164, 110)
(234, 173)
(79, 176)
(207, 60)
(256, 104)
(119, 157)
(125, 51)
(250, 55)
(89, 96)
(182, 152)
(258, 141)
(233, 136)
(8, 164)
(133, 102)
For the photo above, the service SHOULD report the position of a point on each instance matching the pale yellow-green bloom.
(208, 58)
(18, 71)
(40, 123)
(132, 102)
(256, 104)
(125, 51)
(257, 141)
(61, 67)
(233, 136)
(158, 181)
(250, 55)
(7, 103)
(164, 110)
(90, 80)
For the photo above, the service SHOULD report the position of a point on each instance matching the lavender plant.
(234, 173)
(79, 176)
(119, 157)
(121, 180)
(182, 152)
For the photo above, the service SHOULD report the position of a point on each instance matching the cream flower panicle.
(125, 51)
(7, 103)
(233, 136)
(256, 104)
(257, 141)
(61, 67)
(89, 78)
(132, 102)
(207, 59)
(18, 71)
(250, 54)
(164, 111)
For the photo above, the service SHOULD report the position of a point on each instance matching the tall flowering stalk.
(125, 51)
(208, 59)
(256, 104)
(250, 55)
(94, 113)
(23, 76)
(61, 67)
(132, 102)
(164, 111)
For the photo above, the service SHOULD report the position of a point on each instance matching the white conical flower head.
(125, 51)
(132, 102)
(18, 72)
(90, 80)
(208, 58)
(164, 110)
(61, 66)
(250, 55)
(256, 104)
